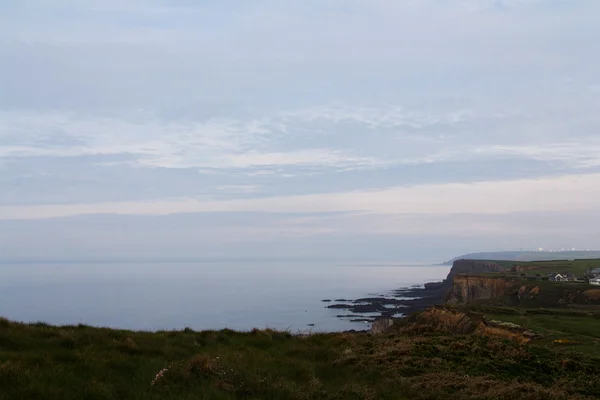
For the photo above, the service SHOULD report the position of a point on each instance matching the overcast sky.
(413, 129)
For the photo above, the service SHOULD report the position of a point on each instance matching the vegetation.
(524, 256)
(38, 361)
(579, 329)
(575, 267)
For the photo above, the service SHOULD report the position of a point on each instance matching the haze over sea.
(200, 295)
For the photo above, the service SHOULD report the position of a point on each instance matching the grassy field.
(576, 267)
(564, 330)
(79, 362)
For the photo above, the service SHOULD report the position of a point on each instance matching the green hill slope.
(78, 362)
(527, 256)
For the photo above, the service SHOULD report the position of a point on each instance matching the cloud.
(403, 115)
(562, 194)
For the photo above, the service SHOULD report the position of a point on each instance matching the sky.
(409, 130)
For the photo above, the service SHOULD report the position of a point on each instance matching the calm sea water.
(156, 296)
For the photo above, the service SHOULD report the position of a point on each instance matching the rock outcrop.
(457, 322)
(380, 325)
(466, 289)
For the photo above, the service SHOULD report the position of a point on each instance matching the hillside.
(414, 361)
(525, 256)
(521, 295)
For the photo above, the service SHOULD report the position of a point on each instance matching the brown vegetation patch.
(593, 294)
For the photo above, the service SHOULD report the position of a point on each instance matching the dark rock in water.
(380, 300)
(409, 300)
(311, 324)
(326, 301)
(341, 306)
(362, 308)
(350, 316)
(434, 285)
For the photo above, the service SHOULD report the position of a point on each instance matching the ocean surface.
(167, 296)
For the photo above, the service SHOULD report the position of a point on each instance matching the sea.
(154, 296)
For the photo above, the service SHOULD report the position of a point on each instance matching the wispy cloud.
(528, 195)
(392, 113)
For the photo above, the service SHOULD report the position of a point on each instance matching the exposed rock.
(522, 291)
(379, 300)
(466, 289)
(380, 325)
(434, 285)
(418, 298)
(535, 291)
(349, 316)
(466, 323)
(341, 306)
(370, 307)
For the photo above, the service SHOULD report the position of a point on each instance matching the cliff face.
(466, 289)
(464, 286)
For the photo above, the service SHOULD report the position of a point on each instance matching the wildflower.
(159, 376)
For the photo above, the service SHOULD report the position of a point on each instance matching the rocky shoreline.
(408, 300)
(398, 302)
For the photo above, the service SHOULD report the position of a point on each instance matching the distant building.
(564, 277)
(595, 281)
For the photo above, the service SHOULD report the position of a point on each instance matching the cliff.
(463, 284)
(472, 267)
(470, 281)
(466, 289)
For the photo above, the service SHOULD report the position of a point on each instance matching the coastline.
(397, 303)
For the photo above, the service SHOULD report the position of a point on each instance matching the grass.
(576, 267)
(38, 361)
(581, 329)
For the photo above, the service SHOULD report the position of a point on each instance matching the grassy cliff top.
(577, 267)
(526, 256)
(38, 361)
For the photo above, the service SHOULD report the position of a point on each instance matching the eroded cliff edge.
(466, 289)
(465, 282)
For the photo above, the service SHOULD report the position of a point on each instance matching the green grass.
(576, 267)
(581, 329)
(38, 361)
